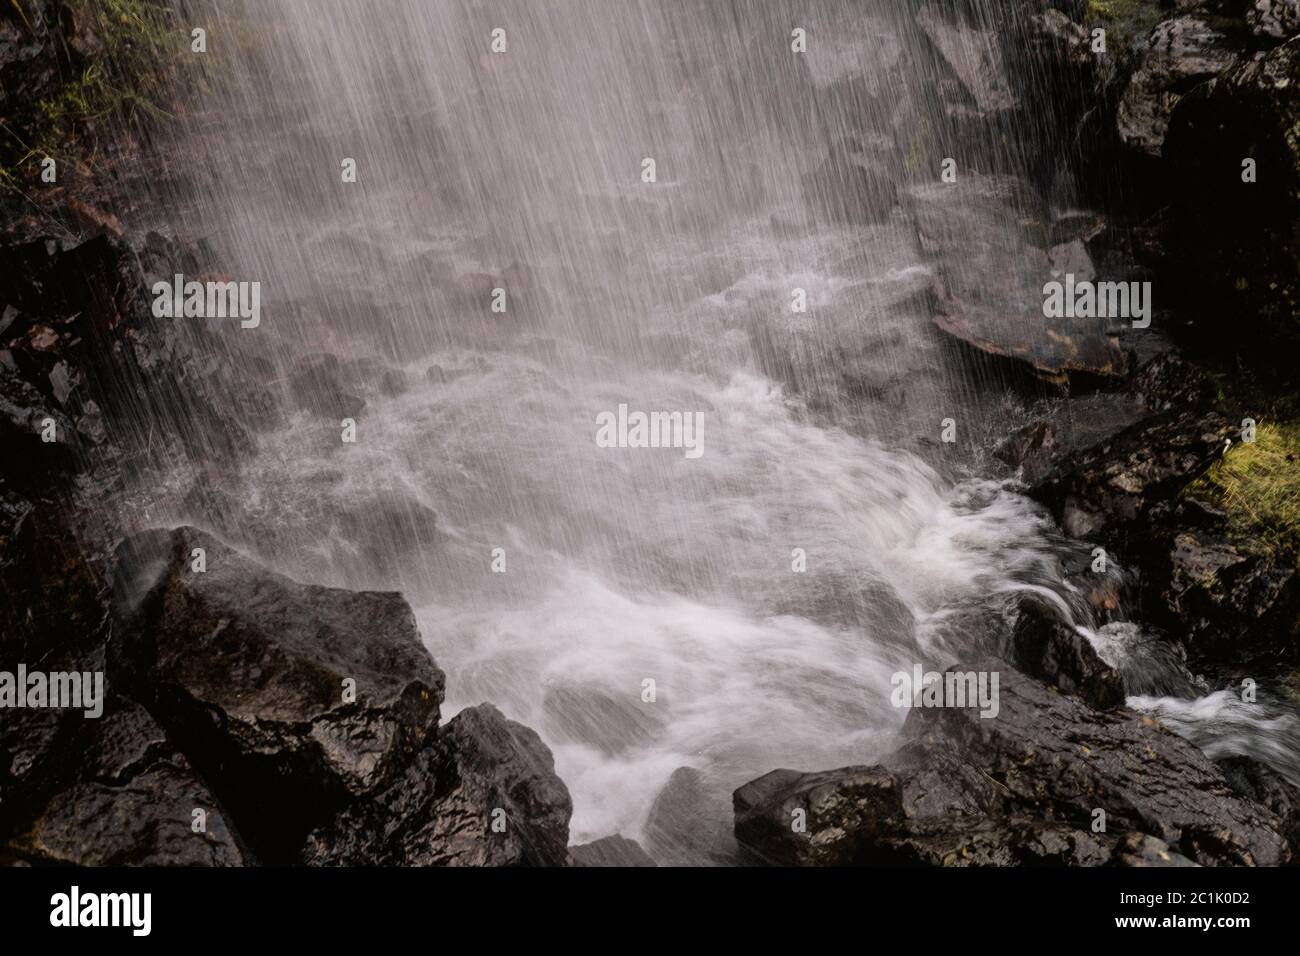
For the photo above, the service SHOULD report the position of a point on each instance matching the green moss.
(1258, 485)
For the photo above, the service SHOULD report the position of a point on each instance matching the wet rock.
(592, 717)
(1117, 482)
(53, 601)
(974, 52)
(1018, 788)
(984, 226)
(1275, 19)
(1170, 381)
(27, 416)
(484, 793)
(1029, 449)
(689, 822)
(248, 671)
(1235, 243)
(1231, 602)
(1044, 646)
(611, 851)
(1181, 53)
(837, 818)
(131, 802)
(1264, 785)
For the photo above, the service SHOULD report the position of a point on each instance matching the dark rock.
(1044, 646)
(689, 823)
(1181, 53)
(1018, 788)
(984, 226)
(1264, 785)
(974, 52)
(484, 793)
(1170, 381)
(611, 851)
(1029, 449)
(247, 668)
(1275, 19)
(131, 802)
(1237, 244)
(838, 818)
(1117, 482)
(1232, 603)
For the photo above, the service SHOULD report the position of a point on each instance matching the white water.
(622, 565)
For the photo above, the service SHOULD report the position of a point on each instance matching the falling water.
(523, 171)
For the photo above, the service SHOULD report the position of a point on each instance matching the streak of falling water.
(522, 171)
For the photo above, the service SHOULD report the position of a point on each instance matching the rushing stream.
(476, 429)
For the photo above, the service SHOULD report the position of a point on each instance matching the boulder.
(689, 822)
(484, 793)
(1274, 19)
(1232, 603)
(1114, 484)
(974, 52)
(610, 851)
(1044, 646)
(131, 801)
(983, 227)
(1180, 53)
(1022, 787)
(250, 670)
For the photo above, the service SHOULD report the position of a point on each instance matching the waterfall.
(505, 269)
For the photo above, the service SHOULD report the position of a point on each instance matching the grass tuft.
(1258, 486)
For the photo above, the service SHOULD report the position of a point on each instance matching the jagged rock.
(1275, 19)
(1118, 481)
(484, 793)
(247, 668)
(611, 851)
(984, 226)
(1180, 53)
(1170, 381)
(1231, 603)
(1029, 449)
(1237, 244)
(1021, 787)
(130, 802)
(1044, 646)
(975, 54)
(837, 818)
(689, 823)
